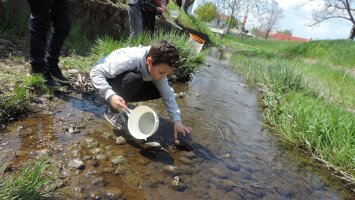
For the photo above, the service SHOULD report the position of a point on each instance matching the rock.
(118, 160)
(109, 147)
(73, 71)
(78, 189)
(43, 153)
(177, 185)
(99, 181)
(169, 169)
(186, 161)
(113, 194)
(92, 145)
(186, 170)
(189, 154)
(75, 153)
(95, 163)
(226, 185)
(88, 158)
(95, 195)
(120, 171)
(21, 153)
(120, 140)
(107, 135)
(77, 164)
(101, 157)
(233, 167)
(217, 173)
(97, 151)
(108, 170)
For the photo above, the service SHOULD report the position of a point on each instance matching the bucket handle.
(128, 112)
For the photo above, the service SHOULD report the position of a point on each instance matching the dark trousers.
(131, 87)
(43, 13)
(148, 20)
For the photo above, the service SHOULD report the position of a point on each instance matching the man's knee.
(133, 78)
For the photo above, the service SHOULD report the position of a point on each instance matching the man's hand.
(160, 10)
(180, 128)
(117, 102)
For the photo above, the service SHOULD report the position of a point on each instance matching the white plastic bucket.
(143, 122)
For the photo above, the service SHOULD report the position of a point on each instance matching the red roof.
(280, 36)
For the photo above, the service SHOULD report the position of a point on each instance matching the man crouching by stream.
(138, 74)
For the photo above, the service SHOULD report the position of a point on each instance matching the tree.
(207, 12)
(335, 9)
(271, 18)
(233, 22)
(286, 32)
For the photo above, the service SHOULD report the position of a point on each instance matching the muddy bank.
(230, 154)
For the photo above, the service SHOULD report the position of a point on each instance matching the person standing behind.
(149, 17)
(135, 8)
(44, 60)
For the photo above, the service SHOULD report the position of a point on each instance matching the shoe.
(48, 79)
(116, 119)
(57, 74)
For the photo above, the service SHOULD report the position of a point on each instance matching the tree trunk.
(352, 33)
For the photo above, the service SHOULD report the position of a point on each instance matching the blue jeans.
(43, 14)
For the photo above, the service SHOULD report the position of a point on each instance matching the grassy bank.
(17, 100)
(310, 104)
(194, 23)
(86, 53)
(28, 183)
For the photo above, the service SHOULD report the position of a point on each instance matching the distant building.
(280, 36)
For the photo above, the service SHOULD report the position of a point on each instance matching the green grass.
(308, 103)
(30, 182)
(336, 52)
(13, 21)
(105, 45)
(190, 21)
(16, 102)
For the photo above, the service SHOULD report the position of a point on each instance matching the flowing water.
(230, 154)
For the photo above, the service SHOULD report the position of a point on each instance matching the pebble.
(92, 144)
(217, 173)
(101, 157)
(177, 185)
(21, 153)
(99, 181)
(120, 140)
(120, 171)
(107, 135)
(72, 71)
(233, 167)
(169, 169)
(88, 158)
(118, 160)
(97, 151)
(77, 164)
(226, 185)
(113, 194)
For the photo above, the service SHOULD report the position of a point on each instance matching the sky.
(298, 19)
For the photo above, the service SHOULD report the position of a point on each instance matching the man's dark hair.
(164, 52)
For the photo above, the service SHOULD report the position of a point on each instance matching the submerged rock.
(98, 150)
(169, 169)
(217, 173)
(113, 194)
(107, 135)
(233, 167)
(120, 140)
(101, 157)
(99, 181)
(226, 185)
(177, 185)
(118, 160)
(120, 171)
(77, 164)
